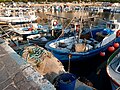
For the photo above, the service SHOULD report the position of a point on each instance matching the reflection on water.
(109, 15)
(72, 14)
(84, 14)
(105, 15)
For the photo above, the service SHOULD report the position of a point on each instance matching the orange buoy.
(111, 49)
(30, 29)
(102, 54)
(116, 45)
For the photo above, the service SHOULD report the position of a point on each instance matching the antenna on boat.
(69, 56)
(81, 24)
(91, 31)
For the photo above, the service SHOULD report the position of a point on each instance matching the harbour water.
(93, 69)
(106, 15)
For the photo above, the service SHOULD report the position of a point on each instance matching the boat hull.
(21, 22)
(17, 20)
(114, 85)
(64, 55)
(113, 69)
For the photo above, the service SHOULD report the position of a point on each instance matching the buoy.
(77, 28)
(111, 49)
(70, 55)
(30, 29)
(102, 54)
(55, 23)
(116, 45)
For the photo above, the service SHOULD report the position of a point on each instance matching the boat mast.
(8, 36)
(65, 28)
(81, 24)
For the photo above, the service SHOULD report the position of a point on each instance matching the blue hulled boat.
(113, 69)
(94, 42)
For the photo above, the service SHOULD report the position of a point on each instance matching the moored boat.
(113, 69)
(83, 48)
(28, 30)
(46, 35)
(41, 41)
(20, 17)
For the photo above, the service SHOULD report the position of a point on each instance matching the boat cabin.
(113, 25)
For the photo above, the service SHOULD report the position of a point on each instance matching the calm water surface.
(106, 15)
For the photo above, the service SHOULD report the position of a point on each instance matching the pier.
(10, 74)
(14, 72)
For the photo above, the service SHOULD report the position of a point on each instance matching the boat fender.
(102, 54)
(118, 33)
(55, 23)
(116, 45)
(111, 49)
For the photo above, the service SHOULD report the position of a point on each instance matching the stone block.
(18, 77)
(3, 75)
(11, 87)
(5, 84)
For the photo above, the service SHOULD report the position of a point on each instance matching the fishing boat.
(27, 29)
(41, 40)
(94, 42)
(46, 35)
(113, 69)
(17, 16)
(33, 28)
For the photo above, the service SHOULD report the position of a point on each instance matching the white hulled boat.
(113, 69)
(18, 16)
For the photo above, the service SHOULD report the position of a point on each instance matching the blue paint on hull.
(63, 55)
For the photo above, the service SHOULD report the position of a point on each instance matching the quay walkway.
(16, 75)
